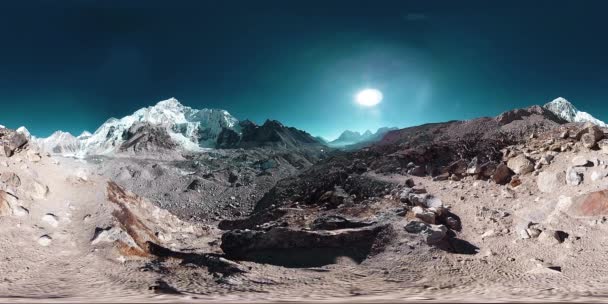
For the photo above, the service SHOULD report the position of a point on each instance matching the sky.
(70, 65)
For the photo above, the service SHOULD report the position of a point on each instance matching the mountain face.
(169, 125)
(271, 134)
(349, 138)
(566, 110)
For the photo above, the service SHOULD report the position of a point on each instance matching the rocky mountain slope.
(567, 111)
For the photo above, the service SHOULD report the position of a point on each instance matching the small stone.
(424, 215)
(533, 232)
(50, 219)
(515, 181)
(45, 240)
(20, 211)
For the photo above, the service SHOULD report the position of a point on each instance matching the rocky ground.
(511, 208)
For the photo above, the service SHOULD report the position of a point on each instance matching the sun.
(369, 97)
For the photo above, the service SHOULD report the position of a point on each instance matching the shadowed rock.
(300, 248)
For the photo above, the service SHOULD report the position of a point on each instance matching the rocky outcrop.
(287, 246)
(11, 141)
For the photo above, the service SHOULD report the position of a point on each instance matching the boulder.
(11, 141)
(279, 244)
(590, 204)
(10, 179)
(590, 138)
(520, 164)
(548, 181)
(434, 234)
(502, 174)
(574, 176)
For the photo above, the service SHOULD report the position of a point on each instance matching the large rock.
(432, 234)
(435, 234)
(11, 141)
(548, 181)
(289, 246)
(592, 136)
(502, 174)
(10, 179)
(520, 164)
(590, 204)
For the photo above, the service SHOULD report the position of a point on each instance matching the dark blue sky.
(70, 65)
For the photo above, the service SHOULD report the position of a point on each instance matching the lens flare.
(369, 97)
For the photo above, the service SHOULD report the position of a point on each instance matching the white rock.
(51, 219)
(45, 240)
(580, 161)
(20, 211)
(548, 181)
(574, 176)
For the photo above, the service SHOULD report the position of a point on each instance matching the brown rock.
(502, 174)
(591, 204)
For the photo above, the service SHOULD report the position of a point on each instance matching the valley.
(173, 204)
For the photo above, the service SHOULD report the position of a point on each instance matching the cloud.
(415, 17)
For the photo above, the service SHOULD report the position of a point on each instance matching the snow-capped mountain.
(62, 143)
(566, 110)
(190, 129)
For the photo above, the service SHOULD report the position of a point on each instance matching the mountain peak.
(169, 103)
(566, 110)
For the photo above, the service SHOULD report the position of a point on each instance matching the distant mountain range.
(169, 125)
(350, 138)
